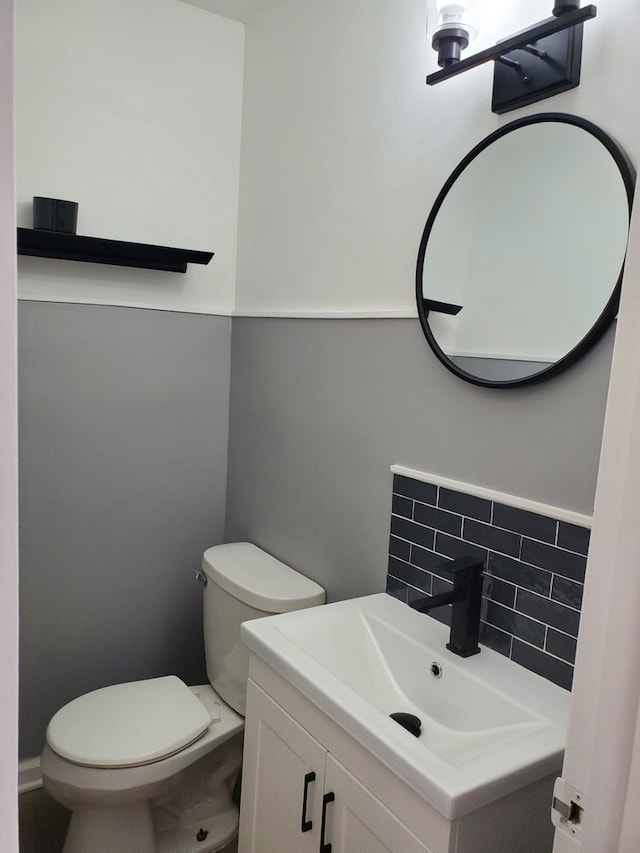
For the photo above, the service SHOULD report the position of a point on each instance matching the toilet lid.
(251, 575)
(126, 725)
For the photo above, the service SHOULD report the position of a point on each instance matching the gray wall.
(321, 408)
(123, 430)
(123, 447)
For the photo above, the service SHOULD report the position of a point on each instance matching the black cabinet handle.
(328, 798)
(306, 825)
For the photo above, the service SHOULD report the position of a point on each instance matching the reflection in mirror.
(521, 258)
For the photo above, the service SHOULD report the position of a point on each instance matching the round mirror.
(521, 259)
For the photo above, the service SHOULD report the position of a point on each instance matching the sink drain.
(436, 669)
(409, 722)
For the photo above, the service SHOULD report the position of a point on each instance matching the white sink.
(489, 726)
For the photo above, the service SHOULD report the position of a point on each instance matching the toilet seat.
(128, 725)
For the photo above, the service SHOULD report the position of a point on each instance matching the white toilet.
(149, 766)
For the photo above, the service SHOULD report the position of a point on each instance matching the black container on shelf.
(54, 214)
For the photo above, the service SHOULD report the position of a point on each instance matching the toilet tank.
(244, 582)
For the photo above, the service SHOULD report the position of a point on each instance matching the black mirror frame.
(608, 315)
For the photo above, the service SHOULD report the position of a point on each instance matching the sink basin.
(489, 726)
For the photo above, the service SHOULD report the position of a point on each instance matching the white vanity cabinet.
(309, 787)
(297, 798)
(284, 767)
(357, 822)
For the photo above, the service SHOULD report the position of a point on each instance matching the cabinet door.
(283, 776)
(356, 822)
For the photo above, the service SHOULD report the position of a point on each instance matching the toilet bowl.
(150, 765)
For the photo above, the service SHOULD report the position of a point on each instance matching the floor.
(43, 824)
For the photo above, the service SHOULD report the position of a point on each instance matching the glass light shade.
(448, 15)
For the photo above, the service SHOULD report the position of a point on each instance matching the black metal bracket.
(538, 77)
(533, 64)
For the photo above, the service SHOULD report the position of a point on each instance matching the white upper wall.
(345, 148)
(133, 109)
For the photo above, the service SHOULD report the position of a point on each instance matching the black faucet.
(466, 597)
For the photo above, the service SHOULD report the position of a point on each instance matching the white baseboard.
(29, 775)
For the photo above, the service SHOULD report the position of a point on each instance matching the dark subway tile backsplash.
(528, 523)
(549, 612)
(503, 541)
(535, 568)
(411, 576)
(567, 592)
(557, 560)
(415, 489)
(573, 538)
(500, 591)
(519, 573)
(399, 548)
(560, 645)
(396, 588)
(467, 505)
(438, 519)
(499, 641)
(453, 548)
(425, 559)
(415, 533)
(554, 669)
(402, 506)
(516, 624)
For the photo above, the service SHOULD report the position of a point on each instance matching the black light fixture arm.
(524, 40)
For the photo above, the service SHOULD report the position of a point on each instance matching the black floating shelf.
(96, 250)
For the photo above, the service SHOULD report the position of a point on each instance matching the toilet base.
(123, 828)
(196, 816)
(111, 830)
(207, 836)
(200, 816)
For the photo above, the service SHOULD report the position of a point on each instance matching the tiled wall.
(534, 564)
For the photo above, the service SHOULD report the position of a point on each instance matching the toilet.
(149, 766)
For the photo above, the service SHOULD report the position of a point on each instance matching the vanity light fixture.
(530, 66)
(451, 26)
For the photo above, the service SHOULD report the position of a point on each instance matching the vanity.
(327, 770)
